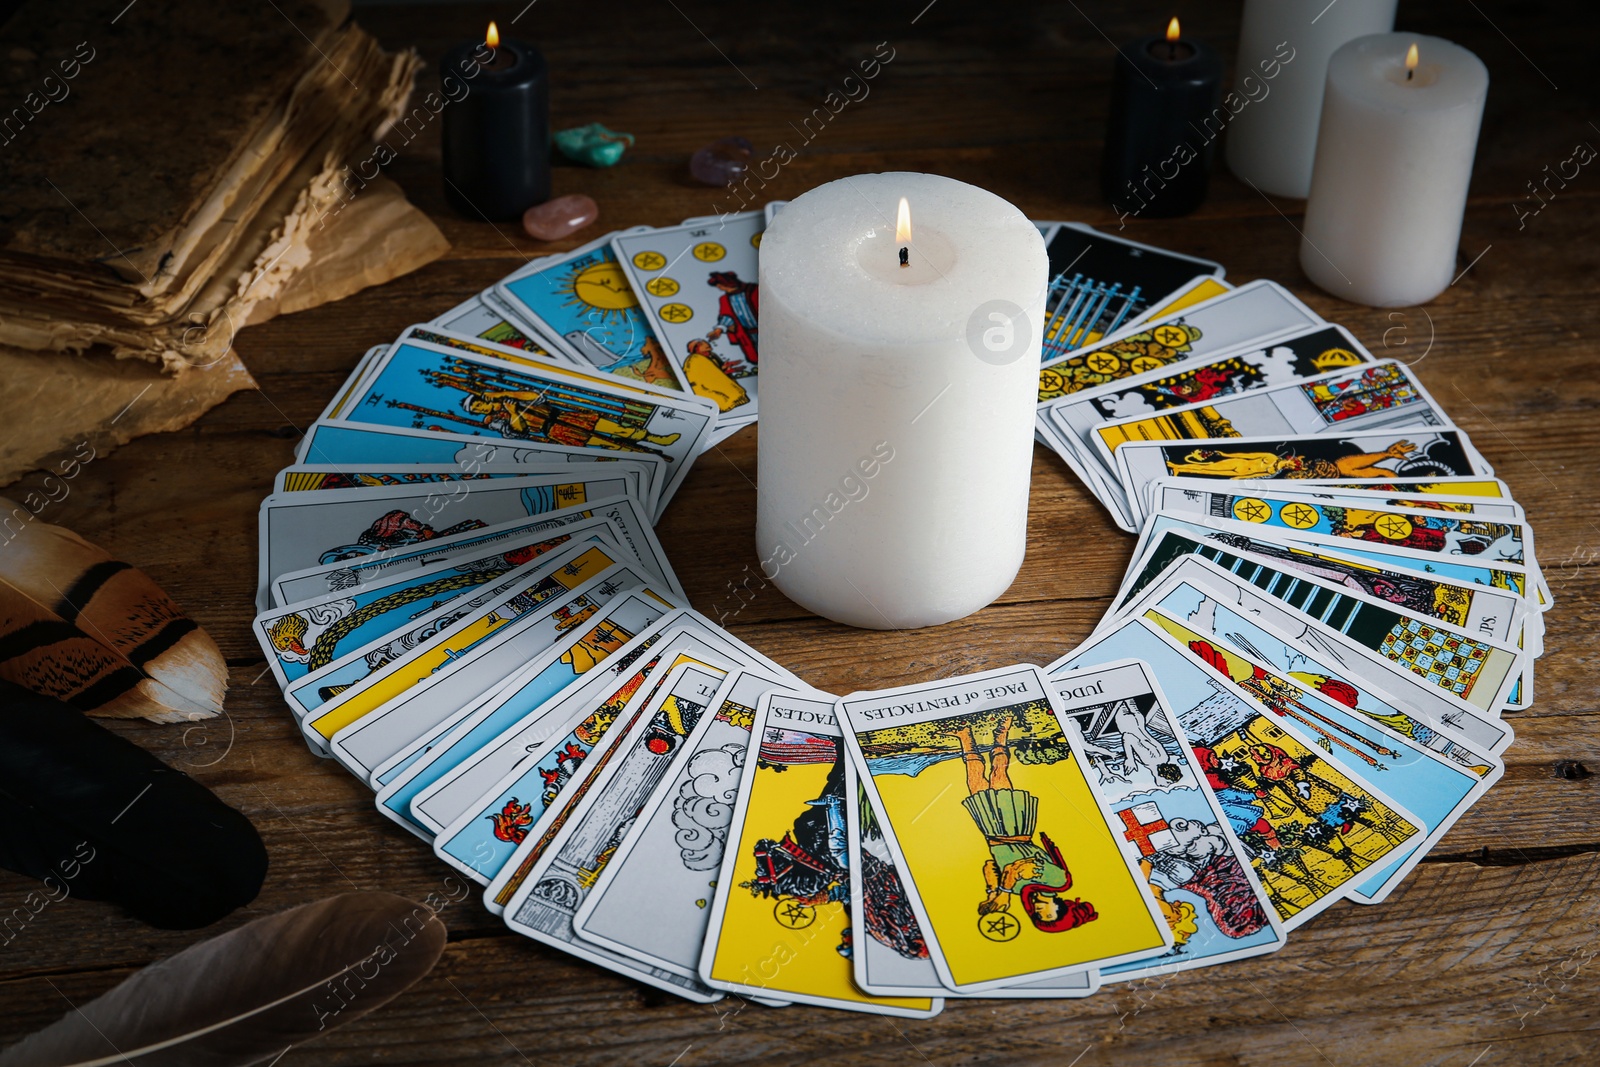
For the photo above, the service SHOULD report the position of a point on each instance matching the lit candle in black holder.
(497, 128)
(1164, 122)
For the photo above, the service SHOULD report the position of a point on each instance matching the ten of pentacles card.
(780, 917)
(1012, 865)
(697, 283)
(1292, 809)
(1197, 868)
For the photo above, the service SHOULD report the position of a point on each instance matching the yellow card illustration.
(1012, 864)
(1203, 287)
(404, 673)
(780, 920)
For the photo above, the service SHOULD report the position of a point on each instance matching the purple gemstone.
(722, 162)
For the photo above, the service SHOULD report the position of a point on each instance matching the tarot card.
(1066, 423)
(429, 783)
(633, 530)
(308, 477)
(1100, 283)
(635, 380)
(1464, 739)
(350, 444)
(310, 635)
(1456, 487)
(560, 881)
(769, 211)
(1429, 532)
(1396, 453)
(892, 959)
(780, 921)
(1200, 287)
(1476, 608)
(491, 606)
(1198, 871)
(1278, 795)
(423, 386)
(1435, 790)
(434, 782)
(650, 901)
(989, 750)
(584, 306)
(350, 383)
(553, 772)
(697, 285)
(1485, 507)
(1252, 312)
(301, 530)
(476, 318)
(578, 635)
(1357, 398)
(1470, 673)
(1473, 668)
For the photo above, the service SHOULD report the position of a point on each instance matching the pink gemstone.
(555, 219)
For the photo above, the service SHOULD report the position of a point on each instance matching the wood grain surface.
(1485, 956)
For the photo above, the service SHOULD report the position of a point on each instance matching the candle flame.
(492, 37)
(1411, 60)
(1172, 29)
(902, 223)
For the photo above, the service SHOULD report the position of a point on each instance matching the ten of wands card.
(1013, 866)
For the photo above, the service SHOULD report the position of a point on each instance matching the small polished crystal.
(593, 144)
(555, 219)
(722, 162)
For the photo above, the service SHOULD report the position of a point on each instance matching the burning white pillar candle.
(1284, 47)
(899, 377)
(1399, 129)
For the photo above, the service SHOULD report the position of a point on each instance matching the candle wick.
(904, 257)
(1409, 74)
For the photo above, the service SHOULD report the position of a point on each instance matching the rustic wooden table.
(1484, 956)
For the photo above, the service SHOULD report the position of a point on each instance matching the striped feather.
(97, 633)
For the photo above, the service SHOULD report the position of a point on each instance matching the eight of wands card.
(1197, 868)
(1292, 809)
(433, 387)
(1014, 867)
(780, 918)
(1251, 312)
(697, 283)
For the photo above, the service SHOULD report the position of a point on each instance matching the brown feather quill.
(250, 994)
(97, 633)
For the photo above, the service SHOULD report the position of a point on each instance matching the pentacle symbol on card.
(1299, 516)
(793, 914)
(1170, 336)
(1102, 362)
(755, 240)
(1249, 509)
(709, 251)
(649, 260)
(1394, 527)
(999, 926)
(1140, 364)
(676, 312)
(662, 286)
